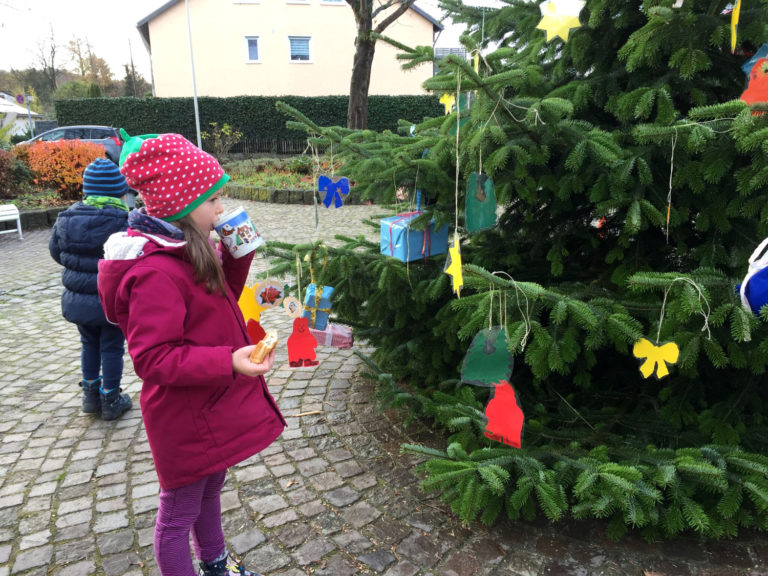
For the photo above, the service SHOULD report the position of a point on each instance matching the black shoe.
(229, 566)
(91, 400)
(114, 404)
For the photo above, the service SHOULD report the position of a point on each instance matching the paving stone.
(336, 565)
(32, 558)
(419, 549)
(280, 518)
(352, 542)
(405, 568)
(378, 560)
(115, 542)
(84, 568)
(342, 496)
(109, 522)
(268, 504)
(360, 514)
(246, 541)
(312, 551)
(75, 551)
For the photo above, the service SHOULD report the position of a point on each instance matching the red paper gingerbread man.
(301, 344)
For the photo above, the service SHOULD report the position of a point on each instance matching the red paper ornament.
(255, 331)
(757, 89)
(505, 418)
(301, 344)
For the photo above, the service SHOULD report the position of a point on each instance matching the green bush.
(14, 174)
(255, 116)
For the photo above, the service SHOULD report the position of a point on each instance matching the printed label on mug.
(238, 233)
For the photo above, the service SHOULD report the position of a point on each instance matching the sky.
(109, 26)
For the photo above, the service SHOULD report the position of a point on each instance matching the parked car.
(105, 135)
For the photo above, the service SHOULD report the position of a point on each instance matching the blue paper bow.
(333, 190)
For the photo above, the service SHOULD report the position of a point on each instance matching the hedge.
(255, 116)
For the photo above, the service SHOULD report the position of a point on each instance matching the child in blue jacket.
(77, 243)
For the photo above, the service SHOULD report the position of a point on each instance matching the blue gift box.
(317, 310)
(399, 241)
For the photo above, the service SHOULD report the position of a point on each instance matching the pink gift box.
(334, 335)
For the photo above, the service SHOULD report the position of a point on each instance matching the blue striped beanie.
(102, 178)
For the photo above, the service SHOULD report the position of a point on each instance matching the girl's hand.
(241, 362)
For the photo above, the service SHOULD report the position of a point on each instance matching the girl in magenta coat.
(205, 405)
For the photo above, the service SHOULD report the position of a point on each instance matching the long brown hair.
(207, 267)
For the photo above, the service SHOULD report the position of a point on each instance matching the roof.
(7, 107)
(143, 24)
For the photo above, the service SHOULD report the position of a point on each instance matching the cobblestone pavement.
(333, 496)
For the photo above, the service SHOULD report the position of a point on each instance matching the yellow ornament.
(734, 23)
(248, 305)
(559, 16)
(453, 265)
(448, 100)
(656, 357)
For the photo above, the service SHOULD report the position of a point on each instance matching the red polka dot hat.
(172, 175)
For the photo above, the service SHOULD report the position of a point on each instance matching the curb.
(38, 219)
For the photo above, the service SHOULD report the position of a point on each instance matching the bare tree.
(46, 57)
(79, 57)
(365, 45)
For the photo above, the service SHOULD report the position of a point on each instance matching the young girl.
(205, 405)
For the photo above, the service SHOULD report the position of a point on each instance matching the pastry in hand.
(264, 347)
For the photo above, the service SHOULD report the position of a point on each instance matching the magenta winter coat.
(200, 417)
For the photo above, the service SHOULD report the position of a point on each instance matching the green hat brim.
(199, 200)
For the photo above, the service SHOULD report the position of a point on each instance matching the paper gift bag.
(334, 335)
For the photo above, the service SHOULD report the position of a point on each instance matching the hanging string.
(526, 315)
(298, 274)
(315, 172)
(458, 129)
(490, 309)
(671, 171)
(701, 297)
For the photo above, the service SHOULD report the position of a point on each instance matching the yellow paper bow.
(657, 357)
(448, 100)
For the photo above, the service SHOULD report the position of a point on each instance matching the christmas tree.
(632, 188)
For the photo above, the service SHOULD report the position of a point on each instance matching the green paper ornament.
(488, 360)
(480, 203)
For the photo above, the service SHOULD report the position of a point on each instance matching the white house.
(12, 113)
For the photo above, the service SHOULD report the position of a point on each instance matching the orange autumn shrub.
(60, 165)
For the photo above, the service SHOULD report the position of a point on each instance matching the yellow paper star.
(559, 16)
(453, 265)
(448, 100)
(248, 305)
(657, 357)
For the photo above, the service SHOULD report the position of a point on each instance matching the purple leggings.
(195, 508)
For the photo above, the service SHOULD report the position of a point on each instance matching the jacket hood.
(123, 251)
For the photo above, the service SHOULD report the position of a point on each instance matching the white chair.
(9, 212)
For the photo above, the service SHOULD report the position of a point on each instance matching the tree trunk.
(357, 112)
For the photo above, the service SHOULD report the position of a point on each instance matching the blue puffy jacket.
(77, 243)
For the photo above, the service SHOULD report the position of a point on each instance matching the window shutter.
(253, 48)
(299, 47)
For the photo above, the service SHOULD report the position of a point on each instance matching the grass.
(295, 173)
(35, 199)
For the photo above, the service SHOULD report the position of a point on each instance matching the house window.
(252, 48)
(299, 48)
(334, 2)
